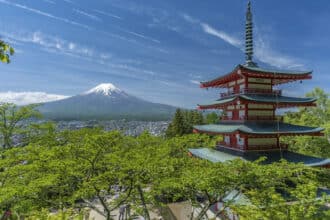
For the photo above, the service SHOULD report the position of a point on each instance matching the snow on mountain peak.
(105, 89)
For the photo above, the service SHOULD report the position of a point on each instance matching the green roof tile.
(261, 98)
(213, 155)
(223, 155)
(253, 67)
(276, 71)
(274, 99)
(257, 128)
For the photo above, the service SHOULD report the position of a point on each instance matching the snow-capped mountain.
(105, 101)
(105, 89)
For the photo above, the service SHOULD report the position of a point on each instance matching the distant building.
(249, 127)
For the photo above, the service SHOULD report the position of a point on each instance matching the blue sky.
(156, 49)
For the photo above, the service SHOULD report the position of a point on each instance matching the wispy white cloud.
(108, 14)
(222, 35)
(263, 51)
(140, 35)
(69, 1)
(134, 40)
(194, 82)
(208, 29)
(10, 41)
(190, 19)
(42, 13)
(123, 68)
(51, 43)
(86, 14)
(25, 98)
(49, 1)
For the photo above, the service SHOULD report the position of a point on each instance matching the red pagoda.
(249, 126)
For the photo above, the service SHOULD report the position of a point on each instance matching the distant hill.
(106, 102)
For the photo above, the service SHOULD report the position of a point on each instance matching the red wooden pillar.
(235, 88)
(246, 111)
(246, 82)
(245, 146)
(233, 141)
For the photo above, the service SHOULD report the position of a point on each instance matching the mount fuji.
(105, 102)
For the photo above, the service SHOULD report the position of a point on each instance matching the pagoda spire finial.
(249, 37)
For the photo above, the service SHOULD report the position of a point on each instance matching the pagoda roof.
(282, 101)
(223, 155)
(279, 76)
(257, 128)
(274, 71)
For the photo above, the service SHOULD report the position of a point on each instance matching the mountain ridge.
(106, 102)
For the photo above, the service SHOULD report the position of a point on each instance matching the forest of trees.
(184, 120)
(72, 171)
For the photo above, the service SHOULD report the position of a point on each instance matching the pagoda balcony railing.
(282, 146)
(229, 146)
(252, 91)
(253, 118)
(263, 147)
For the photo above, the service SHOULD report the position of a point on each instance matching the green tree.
(99, 170)
(5, 52)
(177, 126)
(183, 122)
(281, 191)
(12, 121)
(197, 117)
(188, 121)
(318, 116)
(212, 118)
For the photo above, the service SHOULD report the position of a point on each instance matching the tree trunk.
(192, 212)
(145, 209)
(105, 207)
(6, 141)
(203, 211)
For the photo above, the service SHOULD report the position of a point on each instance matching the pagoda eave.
(279, 105)
(241, 71)
(275, 101)
(223, 155)
(263, 135)
(279, 78)
(258, 128)
(315, 134)
(221, 82)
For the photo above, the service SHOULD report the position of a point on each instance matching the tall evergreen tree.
(197, 118)
(188, 122)
(177, 126)
(183, 122)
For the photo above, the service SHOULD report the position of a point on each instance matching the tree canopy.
(312, 116)
(70, 171)
(12, 120)
(183, 122)
(5, 52)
